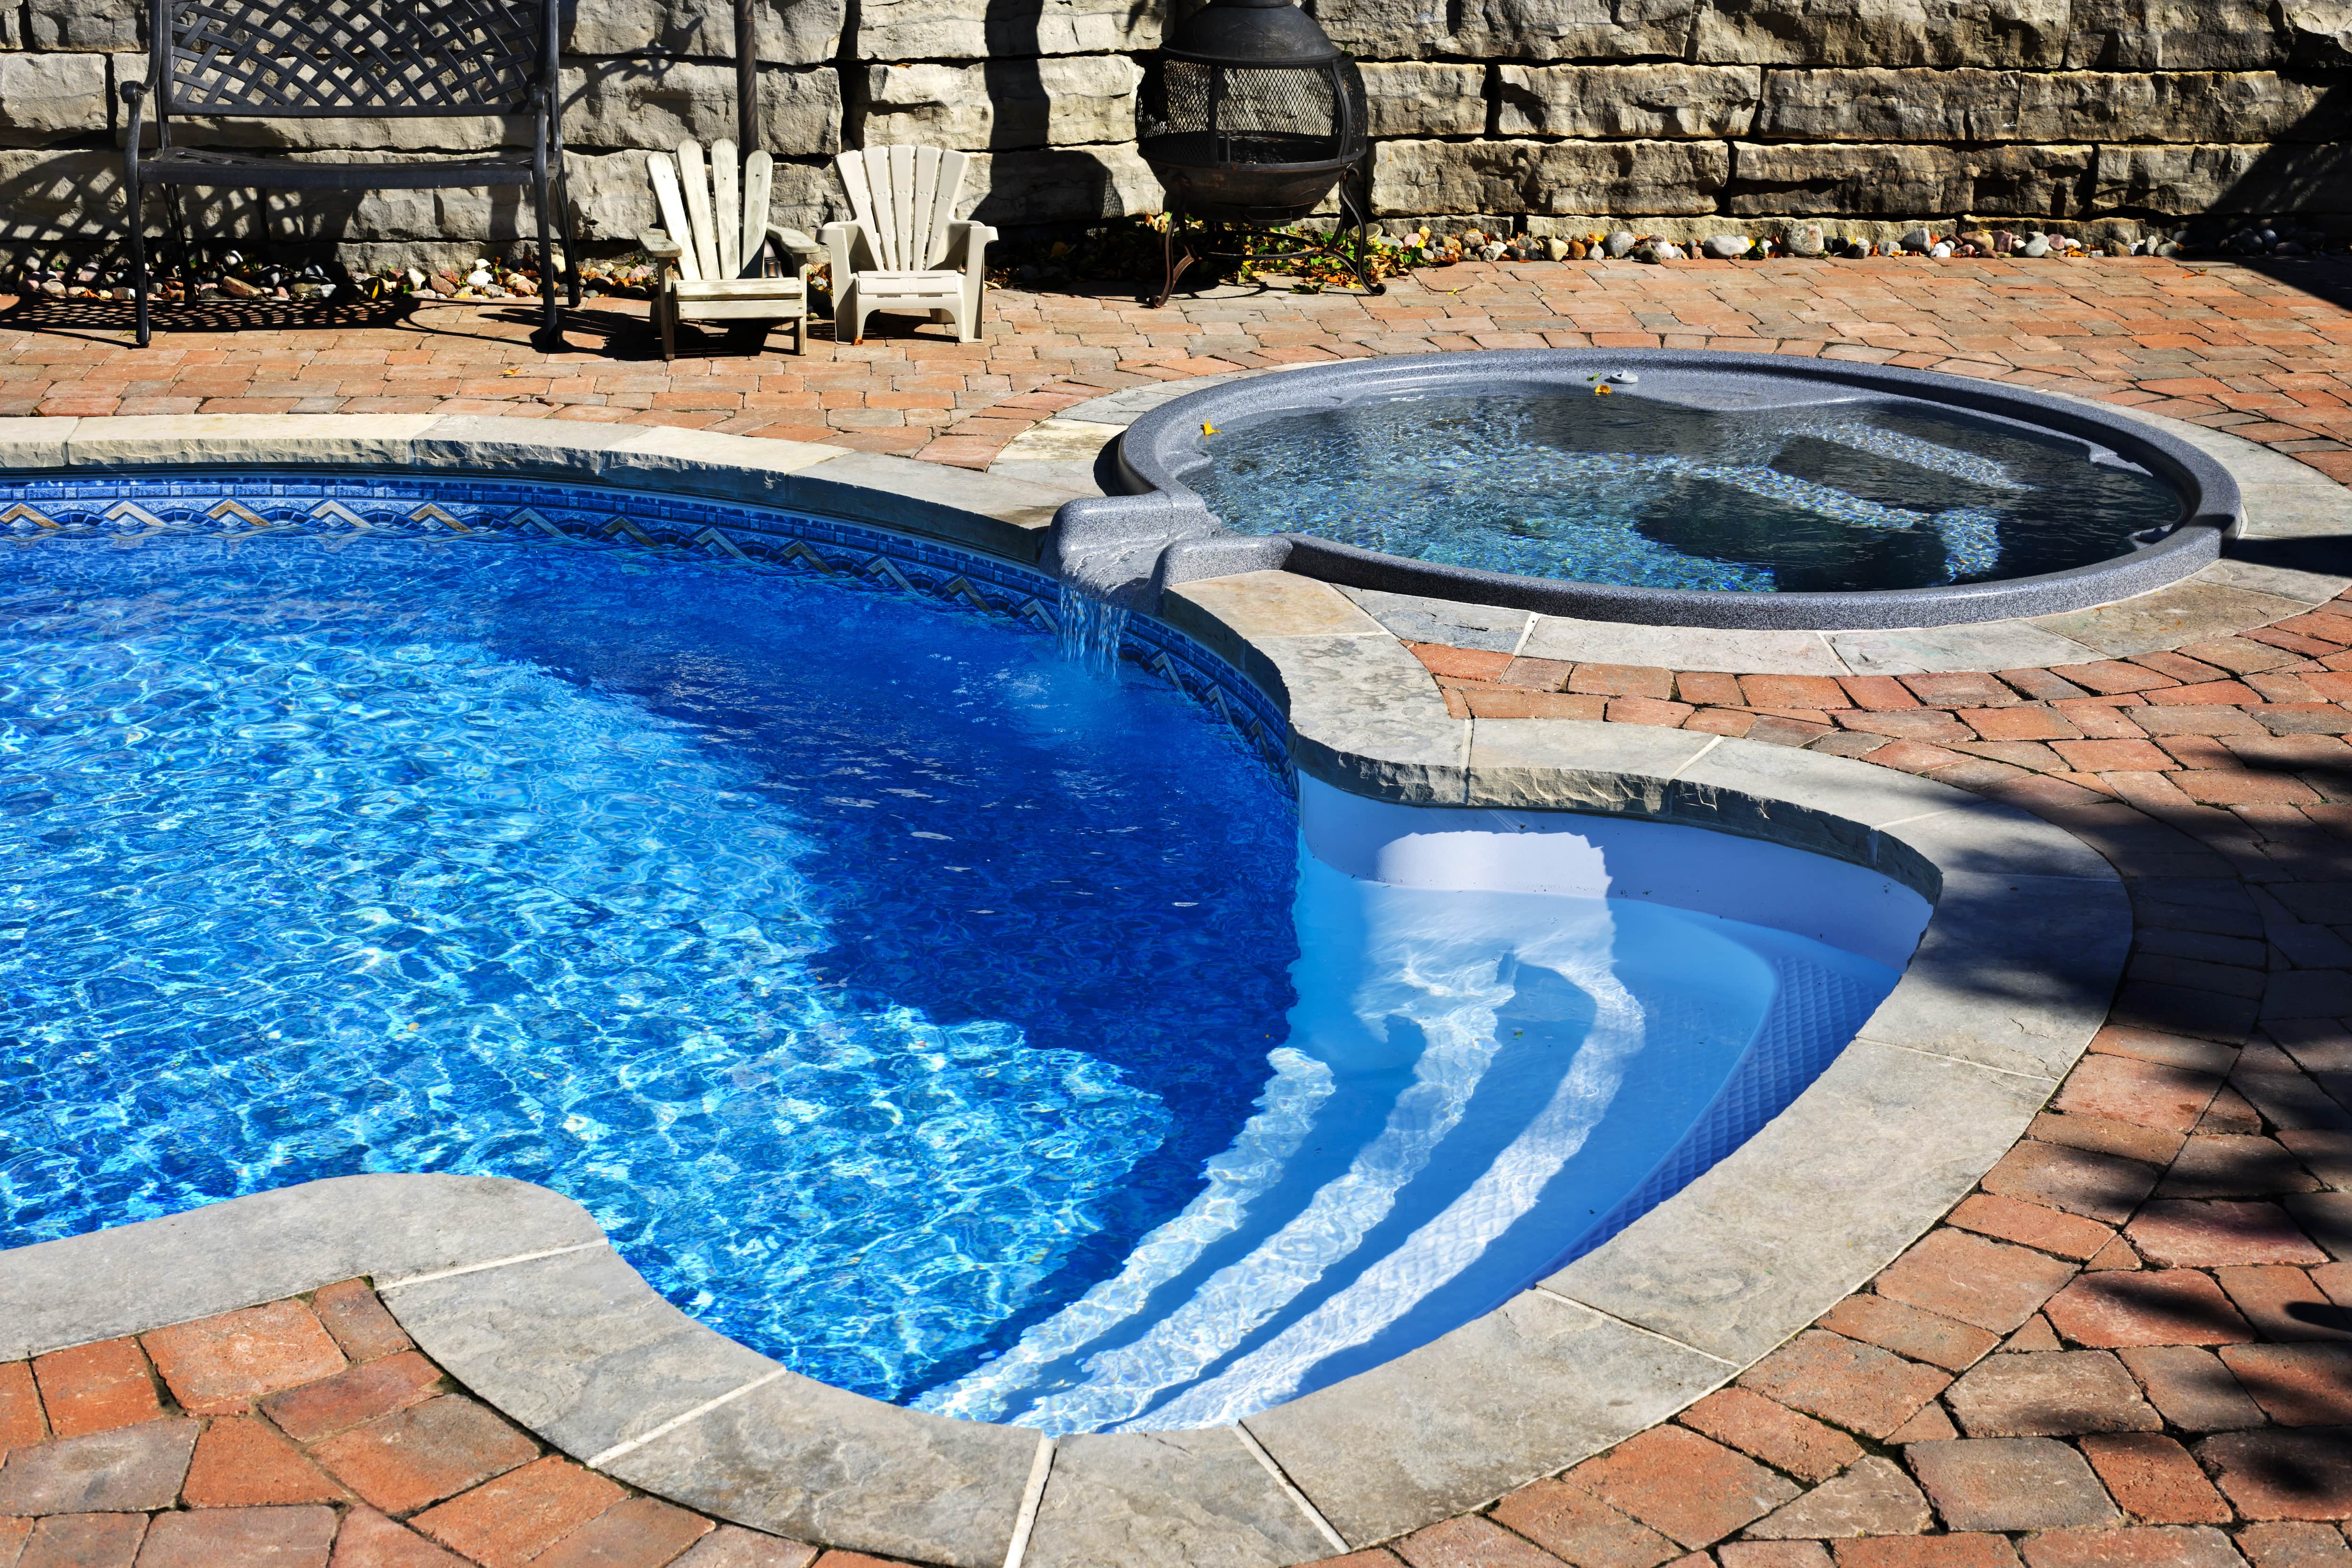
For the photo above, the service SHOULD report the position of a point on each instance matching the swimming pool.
(957, 1027)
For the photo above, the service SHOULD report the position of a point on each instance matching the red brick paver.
(2266, 352)
(444, 1483)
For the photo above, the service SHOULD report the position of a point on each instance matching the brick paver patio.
(301, 1434)
(2131, 1345)
(2266, 353)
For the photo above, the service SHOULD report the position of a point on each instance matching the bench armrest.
(134, 107)
(790, 250)
(657, 244)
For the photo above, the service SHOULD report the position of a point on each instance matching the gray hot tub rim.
(1147, 463)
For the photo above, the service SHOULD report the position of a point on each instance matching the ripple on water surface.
(953, 1024)
(820, 943)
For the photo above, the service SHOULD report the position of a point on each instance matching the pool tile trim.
(1745, 1255)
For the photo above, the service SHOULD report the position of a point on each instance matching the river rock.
(1917, 239)
(1667, 250)
(1725, 247)
(1618, 245)
(1941, 250)
(2036, 246)
(1805, 240)
(1558, 249)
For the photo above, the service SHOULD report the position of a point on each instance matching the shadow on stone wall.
(2305, 168)
(76, 204)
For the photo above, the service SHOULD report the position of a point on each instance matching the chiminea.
(1249, 115)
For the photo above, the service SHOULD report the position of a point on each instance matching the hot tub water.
(1600, 485)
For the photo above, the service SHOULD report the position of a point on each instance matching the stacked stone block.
(1694, 115)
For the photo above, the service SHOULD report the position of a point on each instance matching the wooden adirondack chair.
(715, 245)
(906, 250)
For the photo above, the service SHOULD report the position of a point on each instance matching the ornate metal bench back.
(324, 58)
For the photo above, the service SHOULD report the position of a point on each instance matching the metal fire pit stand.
(1355, 211)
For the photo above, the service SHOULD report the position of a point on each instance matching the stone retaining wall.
(1698, 114)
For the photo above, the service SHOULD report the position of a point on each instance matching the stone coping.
(514, 1291)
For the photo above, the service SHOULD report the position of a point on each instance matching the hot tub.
(1662, 488)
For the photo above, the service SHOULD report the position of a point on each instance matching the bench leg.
(665, 311)
(144, 329)
(551, 328)
(568, 221)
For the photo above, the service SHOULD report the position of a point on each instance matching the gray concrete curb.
(512, 1290)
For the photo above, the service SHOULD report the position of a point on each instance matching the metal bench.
(340, 59)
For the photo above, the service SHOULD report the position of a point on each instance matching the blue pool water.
(955, 1026)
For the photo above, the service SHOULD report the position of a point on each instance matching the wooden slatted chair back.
(719, 217)
(905, 197)
(333, 57)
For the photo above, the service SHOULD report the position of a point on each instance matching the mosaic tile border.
(336, 507)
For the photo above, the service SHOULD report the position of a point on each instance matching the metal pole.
(747, 78)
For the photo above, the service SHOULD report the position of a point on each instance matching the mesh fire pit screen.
(1250, 115)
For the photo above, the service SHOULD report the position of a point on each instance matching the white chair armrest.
(794, 240)
(967, 241)
(656, 242)
(851, 249)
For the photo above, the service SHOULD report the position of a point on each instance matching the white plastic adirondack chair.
(715, 244)
(906, 250)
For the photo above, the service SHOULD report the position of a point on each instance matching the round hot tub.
(1670, 488)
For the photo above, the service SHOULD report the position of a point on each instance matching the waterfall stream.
(1090, 630)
